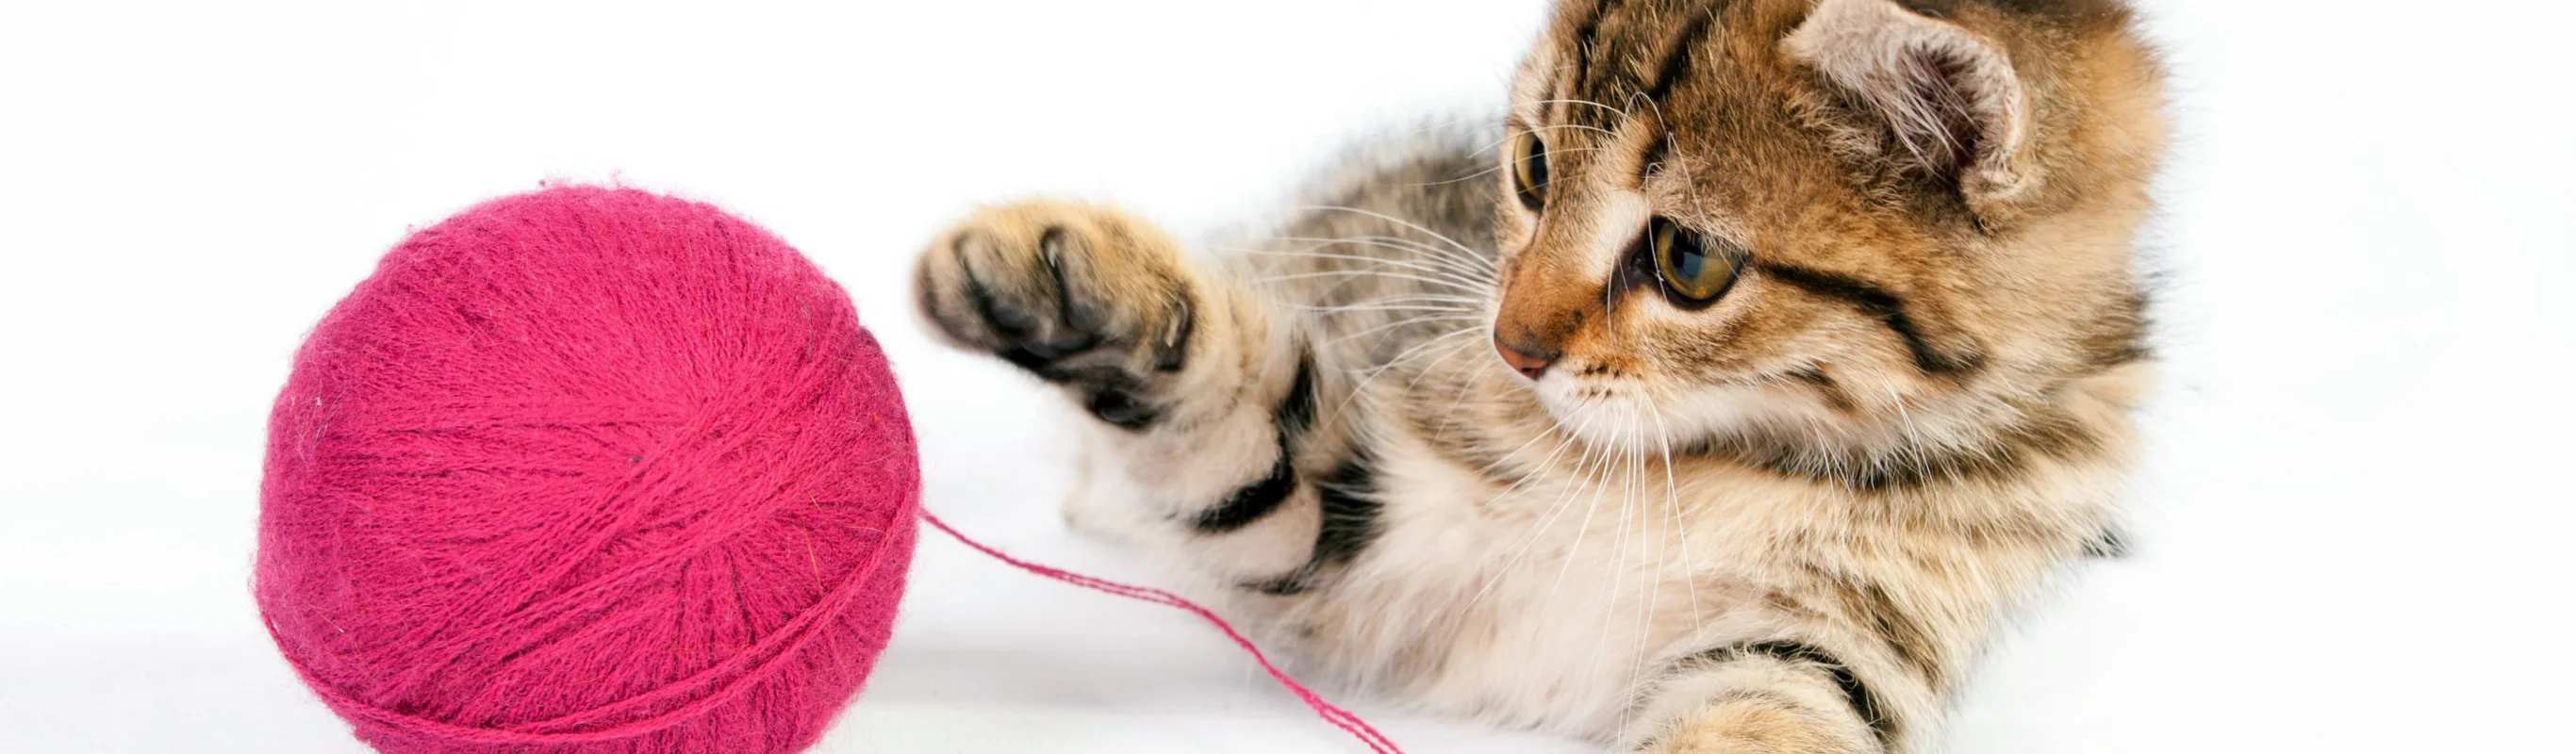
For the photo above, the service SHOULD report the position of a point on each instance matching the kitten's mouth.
(1609, 413)
(1624, 414)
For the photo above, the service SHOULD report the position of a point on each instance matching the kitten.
(1784, 347)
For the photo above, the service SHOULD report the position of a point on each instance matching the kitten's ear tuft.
(1952, 100)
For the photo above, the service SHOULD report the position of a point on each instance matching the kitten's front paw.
(1080, 295)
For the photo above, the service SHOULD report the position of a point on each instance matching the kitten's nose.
(1531, 362)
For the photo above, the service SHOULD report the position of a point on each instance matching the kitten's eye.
(1688, 265)
(1529, 169)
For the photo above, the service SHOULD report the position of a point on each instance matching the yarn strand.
(1340, 718)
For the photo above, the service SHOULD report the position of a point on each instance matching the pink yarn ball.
(588, 470)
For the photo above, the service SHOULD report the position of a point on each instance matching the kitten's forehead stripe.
(1621, 55)
(1581, 49)
(1677, 56)
(1617, 54)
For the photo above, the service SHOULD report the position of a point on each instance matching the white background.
(2353, 529)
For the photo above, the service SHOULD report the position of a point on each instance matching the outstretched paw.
(1077, 294)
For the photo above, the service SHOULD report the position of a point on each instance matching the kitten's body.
(1785, 517)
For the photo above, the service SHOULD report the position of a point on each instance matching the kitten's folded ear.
(1951, 98)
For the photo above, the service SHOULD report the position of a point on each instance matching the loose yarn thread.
(1341, 718)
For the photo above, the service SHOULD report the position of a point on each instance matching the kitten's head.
(1854, 221)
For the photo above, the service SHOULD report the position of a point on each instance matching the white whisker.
(1436, 259)
(1471, 261)
(1396, 243)
(1361, 387)
(1407, 321)
(1444, 269)
(1361, 273)
(1389, 307)
(1453, 243)
(1673, 500)
(1401, 303)
(1584, 531)
(1555, 509)
(1581, 102)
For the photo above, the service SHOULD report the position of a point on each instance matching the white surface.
(2352, 530)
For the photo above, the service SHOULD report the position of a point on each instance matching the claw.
(1172, 350)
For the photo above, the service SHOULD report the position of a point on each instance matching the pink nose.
(1529, 366)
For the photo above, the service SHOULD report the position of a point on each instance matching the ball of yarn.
(588, 470)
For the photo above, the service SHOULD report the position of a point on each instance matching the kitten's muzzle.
(1539, 313)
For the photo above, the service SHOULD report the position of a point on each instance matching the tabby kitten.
(1785, 346)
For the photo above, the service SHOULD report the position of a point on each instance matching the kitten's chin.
(1621, 415)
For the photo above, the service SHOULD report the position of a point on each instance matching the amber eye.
(1691, 269)
(1529, 169)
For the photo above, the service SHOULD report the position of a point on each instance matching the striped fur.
(1783, 520)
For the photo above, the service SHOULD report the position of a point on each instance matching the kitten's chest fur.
(1540, 601)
